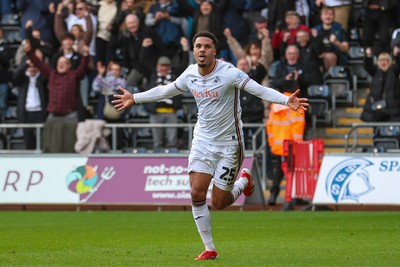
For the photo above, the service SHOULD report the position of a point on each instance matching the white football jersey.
(217, 98)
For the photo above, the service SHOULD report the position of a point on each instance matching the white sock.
(238, 188)
(202, 218)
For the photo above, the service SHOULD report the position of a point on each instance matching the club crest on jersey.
(240, 75)
(216, 80)
(349, 180)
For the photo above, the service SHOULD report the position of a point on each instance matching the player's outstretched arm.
(296, 103)
(124, 100)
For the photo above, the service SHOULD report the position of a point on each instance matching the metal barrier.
(353, 132)
(115, 126)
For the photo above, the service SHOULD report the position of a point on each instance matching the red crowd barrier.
(302, 167)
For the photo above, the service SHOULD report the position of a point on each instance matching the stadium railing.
(377, 146)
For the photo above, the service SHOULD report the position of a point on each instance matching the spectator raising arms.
(384, 89)
(63, 85)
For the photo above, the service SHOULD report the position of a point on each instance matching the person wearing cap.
(167, 110)
(217, 148)
(164, 111)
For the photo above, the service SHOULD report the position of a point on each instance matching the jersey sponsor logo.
(204, 94)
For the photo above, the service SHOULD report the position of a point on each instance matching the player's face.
(204, 51)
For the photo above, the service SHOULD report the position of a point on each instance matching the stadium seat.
(356, 63)
(341, 83)
(322, 103)
(386, 137)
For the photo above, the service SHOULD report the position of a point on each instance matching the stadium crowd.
(61, 60)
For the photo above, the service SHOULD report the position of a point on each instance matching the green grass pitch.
(170, 238)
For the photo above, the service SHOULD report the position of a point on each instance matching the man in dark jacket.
(252, 106)
(32, 97)
(5, 73)
(164, 111)
(141, 46)
(384, 87)
(379, 14)
(291, 74)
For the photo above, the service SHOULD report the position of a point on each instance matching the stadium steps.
(334, 137)
(361, 102)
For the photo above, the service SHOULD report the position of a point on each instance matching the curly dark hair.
(206, 34)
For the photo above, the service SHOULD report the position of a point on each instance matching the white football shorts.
(221, 161)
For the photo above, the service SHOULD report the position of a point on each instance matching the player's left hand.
(298, 104)
(123, 101)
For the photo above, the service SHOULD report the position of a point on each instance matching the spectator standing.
(79, 17)
(384, 88)
(287, 35)
(332, 38)
(207, 17)
(378, 20)
(141, 47)
(106, 16)
(291, 74)
(276, 13)
(252, 106)
(165, 18)
(282, 124)
(32, 97)
(307, 48)
(253, 10)
(107, 83)
(5, 74)
(233, 18)
(6, 10)
(67, 50)
(39, 12)
(63, 85)
(35, 37)
(257, 51)
(81, 38)
(166, 110)
(342, 10)
(126, 7)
